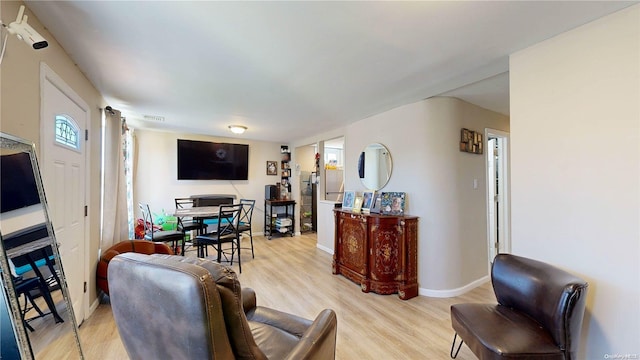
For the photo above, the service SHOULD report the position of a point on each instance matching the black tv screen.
(204, 160)
(17, 184)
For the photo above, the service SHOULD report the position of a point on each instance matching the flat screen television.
(17, 183)
(204, 160)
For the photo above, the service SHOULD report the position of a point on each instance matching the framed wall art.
(470, 141)
(272, 168)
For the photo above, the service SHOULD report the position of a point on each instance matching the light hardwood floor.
(292, 275)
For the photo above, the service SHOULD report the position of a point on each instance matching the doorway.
(306, 172)
(64, 120)
(498, 205)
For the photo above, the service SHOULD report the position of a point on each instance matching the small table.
(273, 223)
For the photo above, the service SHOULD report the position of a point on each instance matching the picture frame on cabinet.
(357, 204)
(392, 203)
(348, 200)
(368, 198)
(376, 204)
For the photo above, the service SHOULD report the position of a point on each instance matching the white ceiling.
(287, 70)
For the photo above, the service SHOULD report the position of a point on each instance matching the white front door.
(63, 123)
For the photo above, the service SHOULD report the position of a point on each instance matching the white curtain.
(115, 227)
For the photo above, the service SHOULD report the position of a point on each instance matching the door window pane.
(67, 132)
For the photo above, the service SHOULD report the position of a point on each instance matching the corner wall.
(423, 139)
(575, 135)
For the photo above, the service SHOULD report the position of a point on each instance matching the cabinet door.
(386, 235)
(352, 247)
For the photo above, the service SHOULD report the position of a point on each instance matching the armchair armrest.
(289, 323)
(248, 299)
(319, 341)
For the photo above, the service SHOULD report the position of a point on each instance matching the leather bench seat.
(538, 315)
(497, 332)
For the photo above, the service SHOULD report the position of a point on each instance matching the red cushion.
(137, 246)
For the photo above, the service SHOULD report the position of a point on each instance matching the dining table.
(198, 212)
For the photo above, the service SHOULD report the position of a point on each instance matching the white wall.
(575, 131)
(20, 111)
(423, 139)
(155, 176)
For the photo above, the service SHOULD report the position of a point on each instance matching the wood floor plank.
(290, 274)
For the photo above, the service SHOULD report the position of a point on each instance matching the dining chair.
(188, 223)
(226, 232)
(175, 237)
(245, 220)
(32, 288)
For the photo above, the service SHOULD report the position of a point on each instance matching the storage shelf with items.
(285, 168)
(279, 217)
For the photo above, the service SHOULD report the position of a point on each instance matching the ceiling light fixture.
(237, 129)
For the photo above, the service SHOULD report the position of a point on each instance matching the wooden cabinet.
(379, 252)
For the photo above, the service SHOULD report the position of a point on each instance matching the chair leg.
(29, 298)
(24, 311)
(253, 256)
(239, 262)
(453, 345)
(47, 298)
(26, 324)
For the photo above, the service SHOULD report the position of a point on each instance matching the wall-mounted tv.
(17, 183)
(204, 160)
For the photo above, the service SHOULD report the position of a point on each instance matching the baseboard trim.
(94, 305)
(454, 292)
(325, 249)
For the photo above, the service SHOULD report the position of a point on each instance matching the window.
(67, 132)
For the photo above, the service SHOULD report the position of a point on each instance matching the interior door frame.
(47, 74)
(505, 233)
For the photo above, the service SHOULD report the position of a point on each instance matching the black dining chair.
(32, 288)
(245, 220)
(175, 237)
(188, 223)
(226, 232)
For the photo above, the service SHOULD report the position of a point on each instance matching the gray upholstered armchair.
(168, 306)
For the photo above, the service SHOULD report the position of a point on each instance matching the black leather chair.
(538, 315)
(227, 232)
(175, 237)
(208, 316)
(245, 220)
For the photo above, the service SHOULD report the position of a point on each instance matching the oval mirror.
(374, 166)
